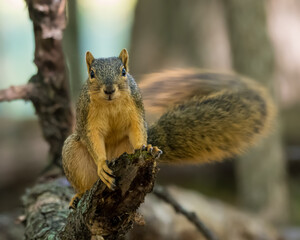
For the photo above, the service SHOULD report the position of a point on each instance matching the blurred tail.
(212, 115)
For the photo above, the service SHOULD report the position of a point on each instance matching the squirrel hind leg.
(79, 167)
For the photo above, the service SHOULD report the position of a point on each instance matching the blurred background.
(257, 38)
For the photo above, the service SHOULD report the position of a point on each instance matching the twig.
(17, 92)
(163, 194)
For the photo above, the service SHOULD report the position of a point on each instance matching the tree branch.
(100, 212)
(17, 92)
(163, 194)
(48, 90)
(52, 104)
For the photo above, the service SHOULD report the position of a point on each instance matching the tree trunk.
(71, 46)
(178, 33)
(51, 91)
(261, 171)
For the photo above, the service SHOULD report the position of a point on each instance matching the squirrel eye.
(123, 72)
(92, 74)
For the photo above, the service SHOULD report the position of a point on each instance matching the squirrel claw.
(155, 151)
(143, 148)
(158, 153)
(107, 180)
(106, 176)
(109, 174)
(74, 202)
(149, 148)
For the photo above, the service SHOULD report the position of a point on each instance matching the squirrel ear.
(124, 58)
(89, 59)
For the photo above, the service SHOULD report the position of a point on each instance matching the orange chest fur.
(112, 119)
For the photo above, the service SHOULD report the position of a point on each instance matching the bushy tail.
(214, 115)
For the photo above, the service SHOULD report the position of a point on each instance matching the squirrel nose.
(109, 91)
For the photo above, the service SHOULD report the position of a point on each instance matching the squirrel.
(214, 116)
(110, 120)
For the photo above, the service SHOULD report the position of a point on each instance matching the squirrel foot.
(155, 151)
(106, 175)
(74, 201)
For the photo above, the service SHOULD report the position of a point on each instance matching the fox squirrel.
(214, 116)
(109, 121)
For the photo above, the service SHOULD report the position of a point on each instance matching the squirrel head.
(108, 77)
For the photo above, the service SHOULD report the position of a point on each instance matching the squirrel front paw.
(106, 175)
(154, 151)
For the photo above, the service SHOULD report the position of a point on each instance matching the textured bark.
(46, 208)
(100, 212)
(52, 104)
(261, 172)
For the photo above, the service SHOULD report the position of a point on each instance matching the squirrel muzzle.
(110, 92)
